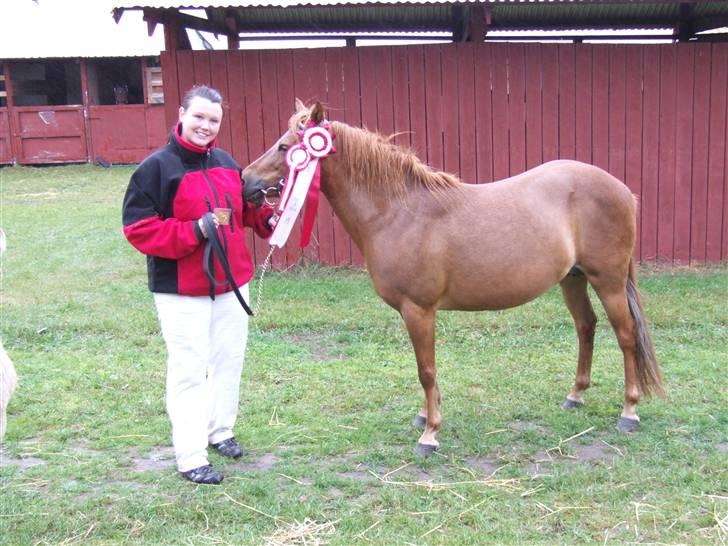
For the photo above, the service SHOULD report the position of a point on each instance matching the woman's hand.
(202, 225)
(273, 220)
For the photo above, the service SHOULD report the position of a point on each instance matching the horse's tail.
(648, 371)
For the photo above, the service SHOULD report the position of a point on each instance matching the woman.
(204, 326)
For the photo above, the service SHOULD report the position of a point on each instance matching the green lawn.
(329, 390)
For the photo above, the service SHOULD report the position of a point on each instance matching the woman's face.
(200, 121)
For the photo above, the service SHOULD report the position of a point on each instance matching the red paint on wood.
(483, 112)
(336, 108)
(683, 152)
(567, 105)
(450, 111)
(717, 211)
(185, 76)
(617, 111)
(501, 145)
(650, 153)
(433, 98)
(383, 85)
(583, 100)
(633, 137)
(400, 96)
(699, 154)
(666, 196)
(219, 80)
(466, 114)
(516, 110)
(550, 102)
(237, 112)
(53, 134)
(600, 106)
(534, 143)
(202, 69)
(417, 112)
(6, 152)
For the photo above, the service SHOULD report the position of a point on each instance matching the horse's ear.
(299, 105)
(317, 113)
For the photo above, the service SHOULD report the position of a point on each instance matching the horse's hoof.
(419, 422)
(571, 404)
(425, 450)
(625, 424)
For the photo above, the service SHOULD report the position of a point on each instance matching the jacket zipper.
(230, 206)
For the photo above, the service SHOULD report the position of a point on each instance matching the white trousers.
(206, 342)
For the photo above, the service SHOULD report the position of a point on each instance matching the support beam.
(231, 25)
(477, 24)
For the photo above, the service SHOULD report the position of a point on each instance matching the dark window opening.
(46, 83)
(115, 81)
(3, 89)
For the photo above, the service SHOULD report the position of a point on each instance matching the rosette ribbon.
(303, 183)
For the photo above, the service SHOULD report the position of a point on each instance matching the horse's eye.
(283, 147)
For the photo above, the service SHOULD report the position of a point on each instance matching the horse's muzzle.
(254, 190)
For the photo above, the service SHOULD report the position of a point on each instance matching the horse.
(431, 242)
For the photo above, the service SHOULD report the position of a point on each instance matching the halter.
(303, 182)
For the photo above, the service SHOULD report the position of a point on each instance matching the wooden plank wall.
(654, 116)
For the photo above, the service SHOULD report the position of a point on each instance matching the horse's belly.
(494, 285)
(492, 296)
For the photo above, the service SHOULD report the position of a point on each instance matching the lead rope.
(263, 270)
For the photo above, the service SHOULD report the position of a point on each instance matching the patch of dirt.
(485, 465)
(264, 462)
(20, 462)
(319, 346)
(161, 458)
(723, 447)
(526, 426)
(594, 452)
(356, 475)
(335, 493)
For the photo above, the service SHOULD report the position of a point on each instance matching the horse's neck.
(361, 212)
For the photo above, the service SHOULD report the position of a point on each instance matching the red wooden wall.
(652, 115)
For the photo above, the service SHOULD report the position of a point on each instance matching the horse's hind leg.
(574, 290)
(420, 325)
(612, 292)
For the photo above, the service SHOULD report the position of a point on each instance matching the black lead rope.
(213, 249)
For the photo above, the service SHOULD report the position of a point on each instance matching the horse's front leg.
(420, 325)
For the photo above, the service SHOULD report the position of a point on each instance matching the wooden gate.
(49, 134)
(652, 115)
(6, 152)
(125, 133)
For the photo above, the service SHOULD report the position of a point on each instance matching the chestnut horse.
(432, 242)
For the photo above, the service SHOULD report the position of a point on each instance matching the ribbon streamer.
(302, 183)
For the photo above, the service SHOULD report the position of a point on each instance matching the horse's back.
(525, 233)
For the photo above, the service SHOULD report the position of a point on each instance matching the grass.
(329, 390)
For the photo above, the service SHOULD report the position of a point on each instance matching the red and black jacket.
(167, 194)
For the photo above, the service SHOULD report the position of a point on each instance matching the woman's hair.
(203, 91)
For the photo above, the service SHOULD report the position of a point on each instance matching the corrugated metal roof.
(279, 16)
(72, 28)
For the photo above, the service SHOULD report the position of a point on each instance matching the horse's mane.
(384, 167)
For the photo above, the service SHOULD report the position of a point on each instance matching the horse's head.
(263, 179)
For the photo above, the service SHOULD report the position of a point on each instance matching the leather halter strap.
(214, 249)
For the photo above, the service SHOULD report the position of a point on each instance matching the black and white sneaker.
(204, 475)
(229, 448)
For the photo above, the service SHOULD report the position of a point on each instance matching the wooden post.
(85, 109)
(14, 151)
(478, 23)
(231, 24)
